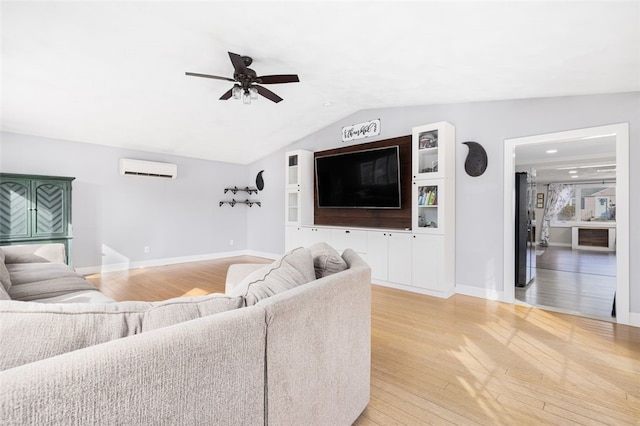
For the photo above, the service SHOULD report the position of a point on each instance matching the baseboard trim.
(442, 295)
(557, 244)
(483, 293)
(264, 254)
(124, 266)
(634, 319)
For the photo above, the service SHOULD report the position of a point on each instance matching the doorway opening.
(583, 259)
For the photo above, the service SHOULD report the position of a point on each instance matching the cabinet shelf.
(235, 190)
(233, 202)
(427, 151)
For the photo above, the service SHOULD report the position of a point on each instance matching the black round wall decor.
(476, 162)
(260, 181)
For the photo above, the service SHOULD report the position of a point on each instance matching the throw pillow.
(5, 278)
(293, 269)
(326, 260)
(32, 331)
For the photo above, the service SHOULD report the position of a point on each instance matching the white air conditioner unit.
(132, 167)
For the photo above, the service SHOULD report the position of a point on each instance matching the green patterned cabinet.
(35, 209)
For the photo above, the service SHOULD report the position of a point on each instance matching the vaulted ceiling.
(113, 73)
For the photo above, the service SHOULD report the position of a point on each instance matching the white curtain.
(558, 196)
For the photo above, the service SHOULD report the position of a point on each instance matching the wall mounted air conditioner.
(132, 167)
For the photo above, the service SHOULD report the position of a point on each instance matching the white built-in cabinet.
(429, 263)
(421, 259)
(389, 255)
(433, 207)
(299, 188)
(304, 236)
(344, 238)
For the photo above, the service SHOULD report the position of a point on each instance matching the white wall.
(559, 235)
(479, 214)
(115, 216)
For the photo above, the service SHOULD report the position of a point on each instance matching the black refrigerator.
(525, 234)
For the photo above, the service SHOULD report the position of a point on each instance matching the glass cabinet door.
(429, 150)
(293, 173)
(292, 208)
(428, 197)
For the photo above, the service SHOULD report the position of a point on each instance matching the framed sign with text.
(361, 130)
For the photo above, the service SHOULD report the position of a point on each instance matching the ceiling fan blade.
(276, 79)
(226, 95)
(215, 77)
(268, 93)
(238, 63)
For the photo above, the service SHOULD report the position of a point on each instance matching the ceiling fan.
(248, 82)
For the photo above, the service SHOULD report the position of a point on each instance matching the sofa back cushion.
(35, 281)
(35, 253)
(30, 331)
(181, 309)
(293, 269)
(326, 260)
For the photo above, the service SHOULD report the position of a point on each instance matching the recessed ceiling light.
(573, 171)
(590, 166)
(574, 176)
(328, 104)
(552, 151)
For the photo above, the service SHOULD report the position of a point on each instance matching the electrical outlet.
(146, 249)
(230, 242)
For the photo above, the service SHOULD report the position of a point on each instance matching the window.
(597, 202)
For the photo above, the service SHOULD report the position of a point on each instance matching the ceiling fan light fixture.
(245, 78)
(246, 97)
(236, 92)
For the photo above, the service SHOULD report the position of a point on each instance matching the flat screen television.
(361, 179)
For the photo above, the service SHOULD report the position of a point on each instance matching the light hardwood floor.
(462, 360)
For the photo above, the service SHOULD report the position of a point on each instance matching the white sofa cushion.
(5, 279)
(326, 260)
(35, 253)
(30, 331)
(35, 281)
(293, 269)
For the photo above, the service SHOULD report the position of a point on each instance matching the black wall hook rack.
(235, 189)
(233, 202)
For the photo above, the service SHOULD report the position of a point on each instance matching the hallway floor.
(578, 282)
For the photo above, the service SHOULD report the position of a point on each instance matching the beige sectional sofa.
(272, 350)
